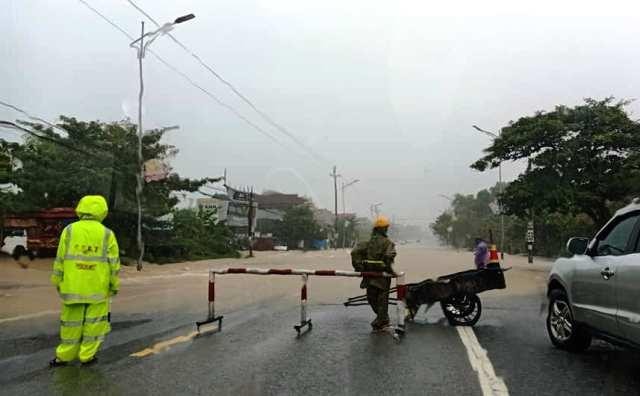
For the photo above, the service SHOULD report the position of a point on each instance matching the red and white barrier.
(212, 304)
(304, 273)
(267, 271)
(304, 322)
(401, 293)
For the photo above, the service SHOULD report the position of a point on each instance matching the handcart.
(457, 294)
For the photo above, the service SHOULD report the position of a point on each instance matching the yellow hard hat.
(381, 222)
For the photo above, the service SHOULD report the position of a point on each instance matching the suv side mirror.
(577, 245)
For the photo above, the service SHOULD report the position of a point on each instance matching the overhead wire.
(38, 119)
(11, 125)
(14, 126)
(96, 150)
(189, 79)
(235, 90)
(117, 167)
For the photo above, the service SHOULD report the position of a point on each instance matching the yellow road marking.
(165, 345)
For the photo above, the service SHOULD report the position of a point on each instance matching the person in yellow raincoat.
(85, 273)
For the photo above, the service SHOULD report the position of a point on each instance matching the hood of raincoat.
(92, 207)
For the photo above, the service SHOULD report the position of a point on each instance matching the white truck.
(14, 242)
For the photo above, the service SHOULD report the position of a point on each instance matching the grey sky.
(388, 92)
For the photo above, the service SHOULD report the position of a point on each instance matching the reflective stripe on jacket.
(381, 253)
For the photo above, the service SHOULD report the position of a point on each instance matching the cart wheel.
(462, 310)
(410, 314)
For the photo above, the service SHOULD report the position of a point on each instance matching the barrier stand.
(401, 292)
(304, 322)
(399, 329)
(212, 305)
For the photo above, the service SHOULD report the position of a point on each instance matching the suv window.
(616, 241)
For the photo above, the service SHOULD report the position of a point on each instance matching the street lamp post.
(344, 209)
(495, 136)
(375, 209)
(141, 47)
(344, 186)
(453, 217)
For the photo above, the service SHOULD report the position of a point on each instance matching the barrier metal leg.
(211, 317)
(401, 291)
(304, 322)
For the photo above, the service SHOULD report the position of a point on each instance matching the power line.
(99, 151)
(19, 110)
(188, 79)
(11, 125)
(235, 90)
(14, 126)
(116, 166)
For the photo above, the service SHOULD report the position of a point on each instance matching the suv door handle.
(607, 273)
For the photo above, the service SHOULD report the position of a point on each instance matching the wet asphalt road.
(258, 353)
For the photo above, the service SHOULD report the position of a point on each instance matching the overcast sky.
(386, 91)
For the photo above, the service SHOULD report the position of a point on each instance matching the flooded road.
(155, 351)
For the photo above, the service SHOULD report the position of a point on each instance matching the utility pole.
(335, 205)
(250, 217)
(344, 209)
(114, 182)
(530, 237)
(139, 184)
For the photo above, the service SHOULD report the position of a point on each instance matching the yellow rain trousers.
(83, 328)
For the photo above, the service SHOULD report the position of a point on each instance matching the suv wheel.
(562, 329)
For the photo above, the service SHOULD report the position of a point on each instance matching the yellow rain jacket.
(87, 263)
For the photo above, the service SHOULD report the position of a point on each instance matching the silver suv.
(597, 291)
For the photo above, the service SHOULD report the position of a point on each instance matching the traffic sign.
(530, 235)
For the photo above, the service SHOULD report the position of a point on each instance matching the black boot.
(57, 363)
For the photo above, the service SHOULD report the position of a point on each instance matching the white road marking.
(490, 383)
(28, 316)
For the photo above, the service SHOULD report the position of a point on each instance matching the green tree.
(347, 230)
(96, 158)
(299, 224)
(442, 228)
(201, 236)
(9, 199)
(583, 159)
(472, 216)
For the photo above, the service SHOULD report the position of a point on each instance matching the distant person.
(85, 273)
(481, 254)
(378, 255)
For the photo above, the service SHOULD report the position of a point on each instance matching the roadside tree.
(582, 159)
